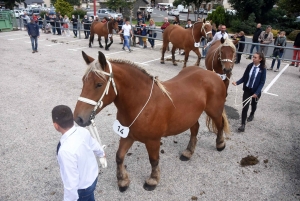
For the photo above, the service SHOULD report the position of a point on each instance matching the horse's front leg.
(153, 152)
(186, 57)
(111, 41)
(187, 154)
(173, 55)
(99, 40)
(122, 175)
(196, 50)
(106, 41)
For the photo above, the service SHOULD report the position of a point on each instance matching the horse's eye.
(99, 85)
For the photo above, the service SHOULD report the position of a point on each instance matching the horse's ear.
(87, 58)
(203, 20)
(222, 40)
(102, 60)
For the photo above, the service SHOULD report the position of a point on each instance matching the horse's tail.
(212, 126)
(92, 38)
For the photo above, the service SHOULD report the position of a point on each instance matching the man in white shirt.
(218, 36)
(127, 32)
(75, 155)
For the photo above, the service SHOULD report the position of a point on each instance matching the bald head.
(258, 25)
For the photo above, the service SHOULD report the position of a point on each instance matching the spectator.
(140, 18)
(255, 40)
(52, 23)
(120, 24)
(58, 22)
(296, 53)
(165, 24)
(187, 26)
(40, 22)
(76, 152)
(176, 20)
(138, 13)
(139, 33)
(144, 35)
(240, 47)
(34, 34)
(148, 16)
(96, 18)
(213, 29)
(86, 26)
(265, 38)
(278, 52)
(218, 36)
(152, 33)
(26, 20)
(253, 81)
(74, 23)
(66, 22)
(127, 32)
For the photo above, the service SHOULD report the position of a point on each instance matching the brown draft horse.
(185, 39)
(103, 29)
(173, 107)
(220, 58)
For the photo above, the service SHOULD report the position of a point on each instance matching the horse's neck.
(196, 30)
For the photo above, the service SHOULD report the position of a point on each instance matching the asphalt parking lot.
(32, 84)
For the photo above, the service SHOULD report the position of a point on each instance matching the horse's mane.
(96, 68)
(229, 43)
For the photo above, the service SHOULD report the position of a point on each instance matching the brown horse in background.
(220, 58)
(161, 109)
(103, 29)
(185, 39)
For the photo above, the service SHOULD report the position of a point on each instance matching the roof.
(29, 2)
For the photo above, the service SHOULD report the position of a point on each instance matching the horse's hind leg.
(163, 51)
(122, 176)
(173, 56)
(111, 41)
(196, 50)
(187, 154)
(153, 152)
(99, 40)
(186, 57)
(106, 41)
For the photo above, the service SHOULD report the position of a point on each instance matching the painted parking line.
(274, 80)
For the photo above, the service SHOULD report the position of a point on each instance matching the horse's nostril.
(79, 121)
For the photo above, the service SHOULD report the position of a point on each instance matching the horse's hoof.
(174, 64)
(148, 187)
(184, 158)
(101, 46)
(123, 189)
(162, 62)
(221, 149)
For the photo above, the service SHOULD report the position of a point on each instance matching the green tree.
(258, 7)
(10, 4)
(290, 6)
(63, 7)
(218, 16)
(116, 4)
(72, 2)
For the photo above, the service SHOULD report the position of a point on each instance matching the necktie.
(252, 77)
(57, 149)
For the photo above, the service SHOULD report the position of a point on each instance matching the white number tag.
(109, 35)
(197, 44)
(120, 130)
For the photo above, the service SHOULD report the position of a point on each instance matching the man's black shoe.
(242, 128)
(250, 118)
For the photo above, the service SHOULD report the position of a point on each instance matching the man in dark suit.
(253, 81)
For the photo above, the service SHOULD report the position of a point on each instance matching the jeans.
(151, 41)
(126, 42)
(252, 47)
(247, 93)
(34, 42)
(88, 193)
(203, 42)
(278, 55)
(75, 30)
(53, 30)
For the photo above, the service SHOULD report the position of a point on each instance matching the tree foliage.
(292, 7)
(72, 2)
(248, 26)
(63, 7)
(117, 4)
(10, 4)
(218, 16)
(258, 7)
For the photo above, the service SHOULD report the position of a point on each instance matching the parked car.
(201, 10)
(210, 11)
(173, 12)
(36, 11)
(105, 12)
(149, 9)
(205, 11)
(18, 13)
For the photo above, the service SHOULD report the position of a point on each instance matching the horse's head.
(95, 94)
(227, 53)
(114, 25)
(206, 30)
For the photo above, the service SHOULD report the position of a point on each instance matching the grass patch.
(159, 24)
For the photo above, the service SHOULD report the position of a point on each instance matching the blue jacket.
(259, 81)
(33, 29)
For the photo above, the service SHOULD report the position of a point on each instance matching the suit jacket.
(259, 81)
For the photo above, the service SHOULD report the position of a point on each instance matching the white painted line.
(76, 49)
(17, 38)
(275, 79)
(155, 59)
(141, 63)
(270, 94)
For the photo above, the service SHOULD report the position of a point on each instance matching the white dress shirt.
(218, 36)
(77, 162)
(126, 29)
(250, 73)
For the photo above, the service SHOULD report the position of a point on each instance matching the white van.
(149, 9)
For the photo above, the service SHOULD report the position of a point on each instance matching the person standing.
(296, 53)
(34, 34)
(85, 22)
(120, 24)
(265, 38)
(218, 36)
(278, 52)
(76, 152)
(127, 32)
(52, 23)
(144, 31)
(58, 22)
(255, 40)
(187, 26)
(66, 25)
(241, 46)
(165, 24)
(74, 23)
(253, 81)
(26, 20)
(152, 33)
(176, 20)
